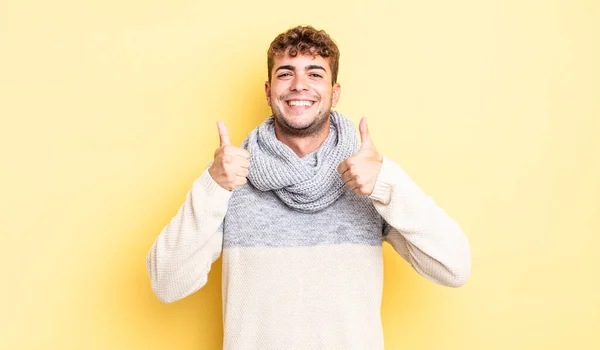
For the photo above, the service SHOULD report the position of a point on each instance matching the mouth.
(299, 104)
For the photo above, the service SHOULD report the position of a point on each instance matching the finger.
(240, 181)
(243, 163)
(242, 172)
(235, 152)
(240, 152)
(347, 177)
(365, 137)
(352, 185)
(223, 134)
(342, 167)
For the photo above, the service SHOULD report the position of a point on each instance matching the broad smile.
(299, 104)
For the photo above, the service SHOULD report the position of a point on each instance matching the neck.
(303, 145)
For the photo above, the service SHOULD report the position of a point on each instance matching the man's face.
(301, 93)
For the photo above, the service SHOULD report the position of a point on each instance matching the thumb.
(223, 134)
(365, 137)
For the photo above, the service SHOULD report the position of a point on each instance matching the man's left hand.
(360, 171)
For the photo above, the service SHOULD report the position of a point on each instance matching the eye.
(282, 75)
(316, 75)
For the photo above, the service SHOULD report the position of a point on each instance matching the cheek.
(275, 93)
(325, 93)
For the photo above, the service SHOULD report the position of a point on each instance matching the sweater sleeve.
(419, 230)
(181, 256)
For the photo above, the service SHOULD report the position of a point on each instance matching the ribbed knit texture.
(301, 185)
(295, 277)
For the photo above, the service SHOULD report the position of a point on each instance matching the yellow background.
(108, 114)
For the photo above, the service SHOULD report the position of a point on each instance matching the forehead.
(300, 61)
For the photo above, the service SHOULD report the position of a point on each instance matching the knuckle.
(219, 152)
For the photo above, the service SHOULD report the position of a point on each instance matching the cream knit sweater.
(293, 280)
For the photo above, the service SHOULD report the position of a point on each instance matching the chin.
(291, 123)
(301, 128)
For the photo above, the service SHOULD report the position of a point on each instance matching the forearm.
(422, 232)
(181, 256)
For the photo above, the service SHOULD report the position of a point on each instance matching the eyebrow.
(292, 68)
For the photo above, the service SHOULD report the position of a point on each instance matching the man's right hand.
(231, 164)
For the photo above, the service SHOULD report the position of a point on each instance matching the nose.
(299, 84)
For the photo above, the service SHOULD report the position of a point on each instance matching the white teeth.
(300, 103)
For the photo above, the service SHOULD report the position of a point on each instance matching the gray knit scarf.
(307, 184)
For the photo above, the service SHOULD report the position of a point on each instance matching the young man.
(299, 214)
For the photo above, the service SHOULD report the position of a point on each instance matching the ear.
(268, 92)
(337, 90)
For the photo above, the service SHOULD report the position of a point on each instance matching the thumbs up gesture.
(360, 171)
(231, 164)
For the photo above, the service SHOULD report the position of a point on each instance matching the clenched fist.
(231, 164)
(360, 171)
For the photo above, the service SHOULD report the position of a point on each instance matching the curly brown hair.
(305, 40)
